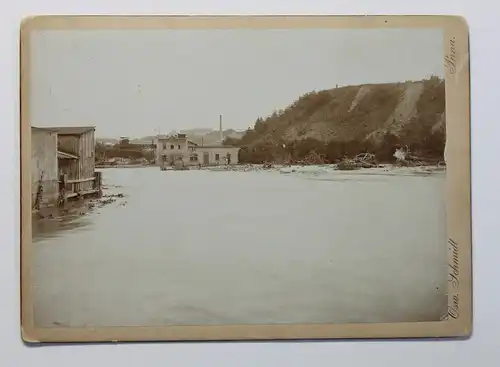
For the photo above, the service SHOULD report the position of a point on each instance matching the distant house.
(217, 154)
(178, 148)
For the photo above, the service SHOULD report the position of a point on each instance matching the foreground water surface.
(201, 247)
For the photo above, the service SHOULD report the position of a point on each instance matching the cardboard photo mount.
(458, 184)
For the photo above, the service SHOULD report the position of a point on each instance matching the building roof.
(69, 130)
(64, 155)
(214, 146)
(171, 137)
(162, 138)
(43, 129)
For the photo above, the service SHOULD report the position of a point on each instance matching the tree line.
(428, 144)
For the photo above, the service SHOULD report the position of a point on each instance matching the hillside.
(343, 121)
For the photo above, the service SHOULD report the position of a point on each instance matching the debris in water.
(41, 216)
(362, 160)
(119, 195)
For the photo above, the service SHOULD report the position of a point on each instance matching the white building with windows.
(178, 148)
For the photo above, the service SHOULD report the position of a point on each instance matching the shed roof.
(64, 155)
(69, 130)
(36, 128)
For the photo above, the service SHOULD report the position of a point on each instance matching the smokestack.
(220, 129)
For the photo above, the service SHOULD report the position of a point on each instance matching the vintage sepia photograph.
(191, 178)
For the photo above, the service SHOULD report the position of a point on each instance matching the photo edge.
(29, 334)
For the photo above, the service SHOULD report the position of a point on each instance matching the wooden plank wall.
(87, 159)
(82, 146)
(44, 165)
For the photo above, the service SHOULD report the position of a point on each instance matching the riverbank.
(301, 168)
(389, 169)
(50, 220)
(124, 166)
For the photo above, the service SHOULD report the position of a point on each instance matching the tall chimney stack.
(220, 130)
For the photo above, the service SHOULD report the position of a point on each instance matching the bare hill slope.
(373, 117)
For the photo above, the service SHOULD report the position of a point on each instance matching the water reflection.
(48, 223)
(76, 215)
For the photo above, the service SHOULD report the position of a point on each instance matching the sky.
(143, 82)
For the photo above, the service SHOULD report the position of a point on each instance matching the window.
(179, 146)
(164, 146)
(193, 158)
(171, 147)
(217, 156)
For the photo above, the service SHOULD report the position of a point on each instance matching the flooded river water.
(201, 247)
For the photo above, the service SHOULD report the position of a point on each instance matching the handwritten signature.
(453, 279)
(454, 271)
(450, 60)
(453, 309)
